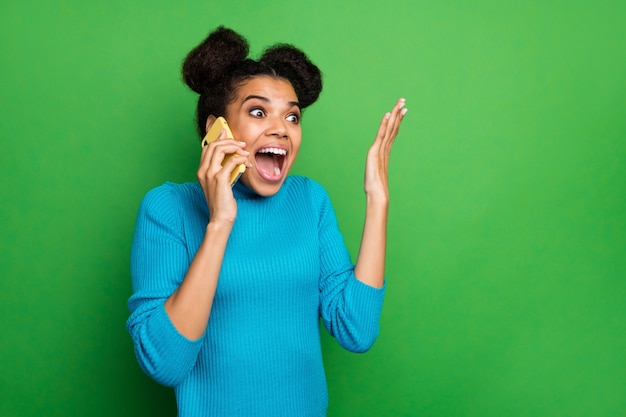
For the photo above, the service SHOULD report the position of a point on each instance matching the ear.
(209, 122)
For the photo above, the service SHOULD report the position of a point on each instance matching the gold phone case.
(214, 133)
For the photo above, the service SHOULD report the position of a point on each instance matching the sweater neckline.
(242, 192)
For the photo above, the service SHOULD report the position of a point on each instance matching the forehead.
(275, 89)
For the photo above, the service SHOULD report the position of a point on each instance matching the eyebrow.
(267, 100)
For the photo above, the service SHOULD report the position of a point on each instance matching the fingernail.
(403, 111)
(241, 143)
(387, 115)
(401, 104)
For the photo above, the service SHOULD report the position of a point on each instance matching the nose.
(276, 127)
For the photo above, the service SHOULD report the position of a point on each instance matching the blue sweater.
(285, 266)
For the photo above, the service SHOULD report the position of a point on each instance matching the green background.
(507, 235)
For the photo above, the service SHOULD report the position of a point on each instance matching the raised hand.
(370, 265)
(376, 167)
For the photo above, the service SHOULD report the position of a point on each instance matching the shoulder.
(170, 195)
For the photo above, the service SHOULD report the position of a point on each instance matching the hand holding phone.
(212, 135)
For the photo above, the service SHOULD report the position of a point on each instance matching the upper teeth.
(275, 151)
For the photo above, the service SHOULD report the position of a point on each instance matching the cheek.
(242, 134)
(295, 148)
(296, 139)
(296, 145)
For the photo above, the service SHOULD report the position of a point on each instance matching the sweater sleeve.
(159, 262)
(350, 309)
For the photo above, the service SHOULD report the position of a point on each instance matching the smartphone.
(214, 133)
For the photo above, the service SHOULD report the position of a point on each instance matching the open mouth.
(270, 163)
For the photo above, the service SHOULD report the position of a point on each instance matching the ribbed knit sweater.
(285, 266)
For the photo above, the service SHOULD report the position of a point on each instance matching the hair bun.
(291, 63)
(210, 60)
(217, 67)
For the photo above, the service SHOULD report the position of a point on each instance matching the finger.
(214, 153)
(390, 118)
(382, 128)
(224, 173)
(396, 117)
(390, 124)
(393, 133)
(221, 136)
(205, 159)
(227, 148)
(234, 161)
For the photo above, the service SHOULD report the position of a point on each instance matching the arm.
(172, 299)
(350, 309)
(370, 265)
(189, 307)
(351, 297)
(159, 261)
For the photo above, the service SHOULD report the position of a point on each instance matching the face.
(265, 114)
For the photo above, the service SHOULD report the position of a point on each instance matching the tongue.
(268, 165)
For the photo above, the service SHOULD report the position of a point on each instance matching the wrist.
(377, 199)
(219, 226)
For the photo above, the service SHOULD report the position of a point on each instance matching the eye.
(257, 112)
(293, 118)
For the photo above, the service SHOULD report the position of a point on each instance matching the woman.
(230, 282)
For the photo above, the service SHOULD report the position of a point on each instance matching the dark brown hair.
(220, 64)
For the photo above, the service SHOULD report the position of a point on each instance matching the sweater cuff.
(367, 302)
(366, 295)
(176, 355)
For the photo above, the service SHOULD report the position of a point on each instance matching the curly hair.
(219, 65)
